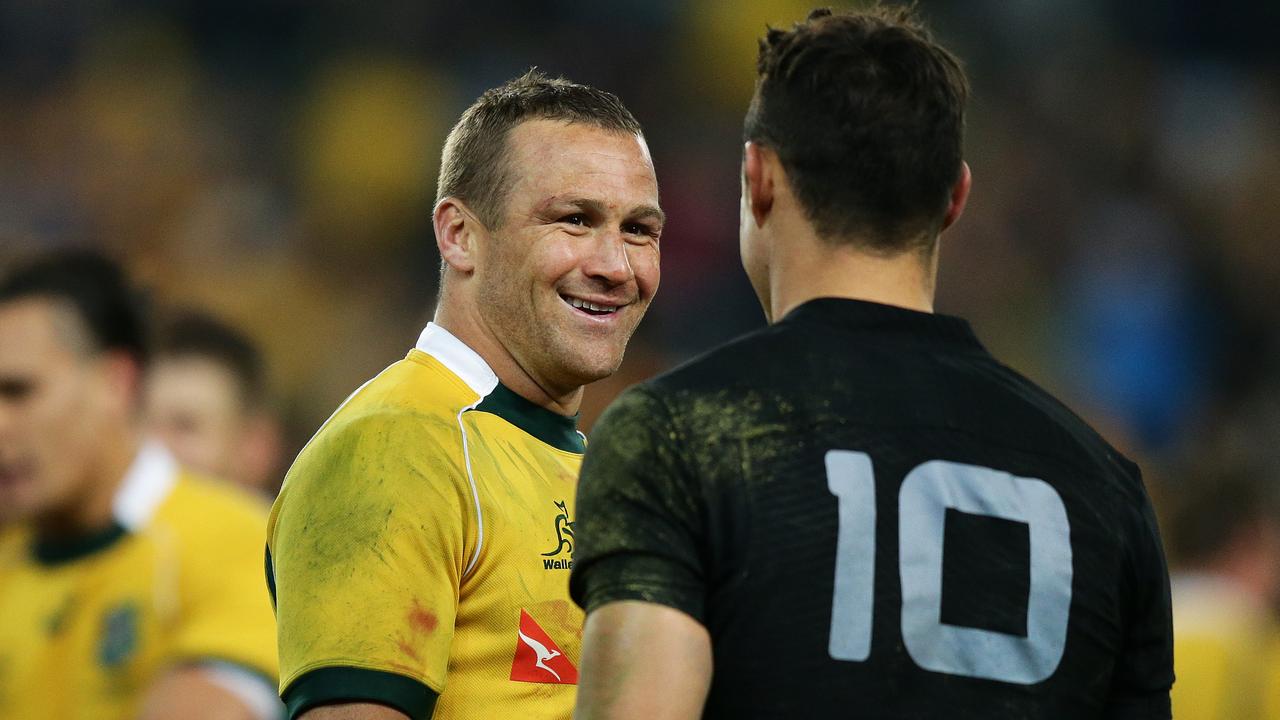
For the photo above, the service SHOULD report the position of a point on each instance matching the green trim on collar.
(329, 685)
(57, 552)
(556, 430)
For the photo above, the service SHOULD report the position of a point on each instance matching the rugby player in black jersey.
(858, 512)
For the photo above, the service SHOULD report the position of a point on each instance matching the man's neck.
(470, 329)
(804, 268)
(91, 509)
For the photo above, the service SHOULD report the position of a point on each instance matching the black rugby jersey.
(874, 518)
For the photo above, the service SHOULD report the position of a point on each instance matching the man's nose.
(608, 259)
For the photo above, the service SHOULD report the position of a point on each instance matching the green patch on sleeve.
(329, 685)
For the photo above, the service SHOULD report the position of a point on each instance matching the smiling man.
(420, 547)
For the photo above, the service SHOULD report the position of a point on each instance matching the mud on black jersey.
(875, 519)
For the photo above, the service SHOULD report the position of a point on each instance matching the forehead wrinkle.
(581, 171)
(538, 151)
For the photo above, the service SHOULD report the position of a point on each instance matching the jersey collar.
(551, 428)
(146, 484)
(458, 358)
(862, 315)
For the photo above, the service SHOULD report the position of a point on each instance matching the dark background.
(274, 162)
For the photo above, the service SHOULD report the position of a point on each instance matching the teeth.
(584, 305)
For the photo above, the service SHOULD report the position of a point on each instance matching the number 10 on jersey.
(927, 492)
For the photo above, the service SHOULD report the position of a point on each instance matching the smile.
(590, 308)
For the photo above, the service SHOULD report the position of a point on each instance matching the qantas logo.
(538, 659)
(541, 652)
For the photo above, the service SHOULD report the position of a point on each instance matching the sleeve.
(1144, 673)
(225, 613)
(640, 525)
(366, 554)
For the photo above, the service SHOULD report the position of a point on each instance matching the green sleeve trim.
(271, 578)
(329, 685)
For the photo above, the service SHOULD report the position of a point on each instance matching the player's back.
(884, 522)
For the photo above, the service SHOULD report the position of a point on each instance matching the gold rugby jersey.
(420, 548)
(1223, 645)
(86, 628)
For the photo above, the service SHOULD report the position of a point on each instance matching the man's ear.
(123, 378)
(758, 178)
(457, 229)
(959, 196)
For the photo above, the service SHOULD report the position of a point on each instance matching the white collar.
(458, 358)
(146, 484)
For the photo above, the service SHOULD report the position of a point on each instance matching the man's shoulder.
(194, 493)
(724, 366)
(787, 365)
(410, 399)
(212, 516)
(396, 430)
(417, 385)
(1075, 437)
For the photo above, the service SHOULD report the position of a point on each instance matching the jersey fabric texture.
(875, 519)
(419, 550)
(88, 626)
(1224, 647)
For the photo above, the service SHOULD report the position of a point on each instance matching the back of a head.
(200, 336)
(474, 166)
(866, 113)
(1218, 512)
(95, 289)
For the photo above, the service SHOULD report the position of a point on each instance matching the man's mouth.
(597, 309)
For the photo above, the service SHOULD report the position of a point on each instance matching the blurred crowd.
(272, 164)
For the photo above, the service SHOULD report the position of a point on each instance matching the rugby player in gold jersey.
(421, 544)
(128, 587)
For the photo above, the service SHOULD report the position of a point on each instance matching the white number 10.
(928, 491)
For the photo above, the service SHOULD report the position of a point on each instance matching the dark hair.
(474, 165)
(195, 334)
(1214, 507)
(95, 288)
(866, 113)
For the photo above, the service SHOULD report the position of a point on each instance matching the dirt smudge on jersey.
(408, 650)
(561, 614)
(422, 620)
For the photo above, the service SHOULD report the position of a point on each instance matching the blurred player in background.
(206, 400)
(1225, 539)
(128, 588)
(421, 543)
(858, 511)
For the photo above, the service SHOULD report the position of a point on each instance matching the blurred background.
(273, 163)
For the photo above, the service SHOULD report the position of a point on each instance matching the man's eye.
(639, 229)
(575, 219)
(15, 390)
